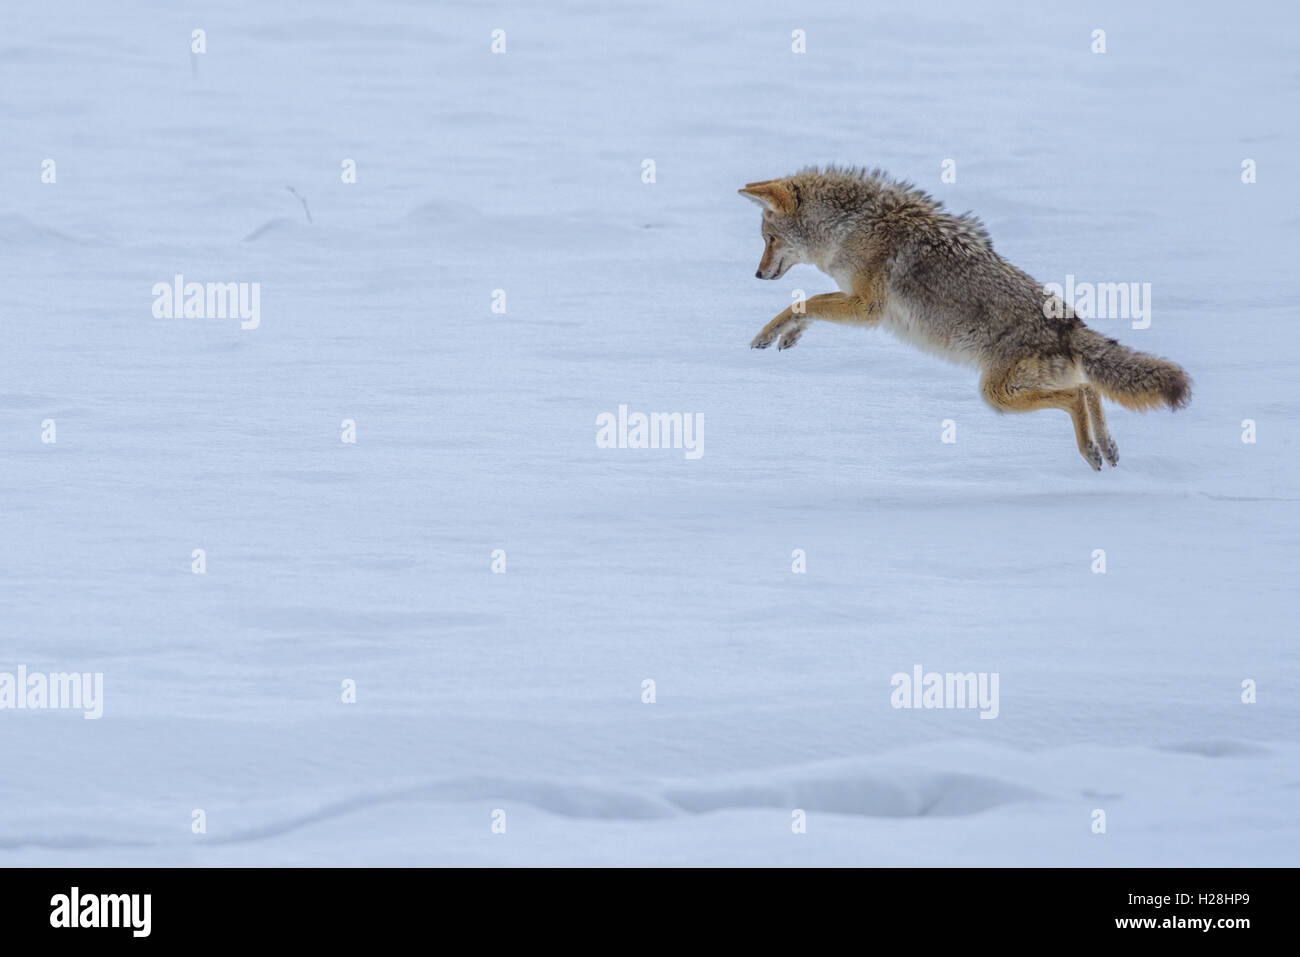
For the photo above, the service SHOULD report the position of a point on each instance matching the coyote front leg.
(830, 306)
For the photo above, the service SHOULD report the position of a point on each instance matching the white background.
(476, 431)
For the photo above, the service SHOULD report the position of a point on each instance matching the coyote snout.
(934, 279)
(776, 260)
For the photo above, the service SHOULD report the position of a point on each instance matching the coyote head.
(784, 242)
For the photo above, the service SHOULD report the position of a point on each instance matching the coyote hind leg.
(1021, 390)
(1098, 419)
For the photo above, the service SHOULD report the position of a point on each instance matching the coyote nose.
(758, 274)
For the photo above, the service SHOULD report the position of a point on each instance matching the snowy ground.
(475, 431)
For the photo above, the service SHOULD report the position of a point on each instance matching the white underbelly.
(915, 329)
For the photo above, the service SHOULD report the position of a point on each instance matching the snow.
(522, 691)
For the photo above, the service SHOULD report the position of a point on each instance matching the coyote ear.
(760, 198)
(773, 194)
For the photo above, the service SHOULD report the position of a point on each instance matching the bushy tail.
(1133, 379)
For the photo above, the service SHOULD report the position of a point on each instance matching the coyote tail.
(1133, 379)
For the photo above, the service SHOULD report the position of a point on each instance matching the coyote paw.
(1092, 454)
(1111, 451)
(763, 340)
(791, 338)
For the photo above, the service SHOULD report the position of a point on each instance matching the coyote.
(934, 280)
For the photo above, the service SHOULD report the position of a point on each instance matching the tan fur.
(772, 193)
(933, 279)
